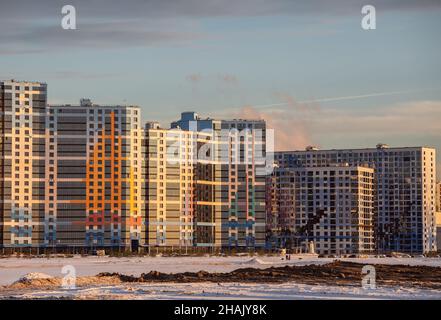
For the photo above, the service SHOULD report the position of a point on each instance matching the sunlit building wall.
(22, 163)
(94, 177)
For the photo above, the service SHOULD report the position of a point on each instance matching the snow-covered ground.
(12, 269)
(234, 291)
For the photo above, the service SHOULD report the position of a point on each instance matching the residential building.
(280, 206)
(404, 190)
(230, 181)
(22, 163)
(89, 177)
(331, 206)
(93, 177)
(70, 175)
(171, 186)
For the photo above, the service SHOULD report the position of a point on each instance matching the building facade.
(229, 181)
(331, 206)
(94, 177)
(280, 206)
(171, 186)
(22, 163)
(404, 190)
(90, 176)
(70, 175)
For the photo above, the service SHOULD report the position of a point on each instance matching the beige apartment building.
(171, 186)
(331, 206)
(22, 163)
(203, 183)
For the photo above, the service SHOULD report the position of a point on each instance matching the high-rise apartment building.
(94, 177)
(203, 183)
(404, 190)
(331, 206)
(88, 176)
(22, 163)
(81, 177)
(280, 207)
(229, 180)
(171, 186)
(70, 175)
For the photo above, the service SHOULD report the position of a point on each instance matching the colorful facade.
(90, 176)
(94, 177)
(71, 176)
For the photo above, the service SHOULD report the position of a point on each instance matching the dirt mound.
(35, 279)
(335, 273)
(50, 282)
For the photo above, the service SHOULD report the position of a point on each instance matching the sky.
(307, 67)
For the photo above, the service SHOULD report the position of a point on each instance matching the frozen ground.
(12, 269)
(234, 291)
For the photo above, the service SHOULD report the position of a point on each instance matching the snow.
(233, 291)
(33, 276)
(11, 269)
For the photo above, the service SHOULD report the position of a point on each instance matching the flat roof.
(353, 149)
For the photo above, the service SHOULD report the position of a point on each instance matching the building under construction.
(404, 190)
(332, 207)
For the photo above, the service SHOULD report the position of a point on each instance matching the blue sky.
(234, 58)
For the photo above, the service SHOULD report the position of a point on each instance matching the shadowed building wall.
(404, 190)
(332, 206)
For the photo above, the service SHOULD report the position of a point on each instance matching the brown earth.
(335, 273)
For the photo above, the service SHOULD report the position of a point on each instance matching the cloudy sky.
(306, 66)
